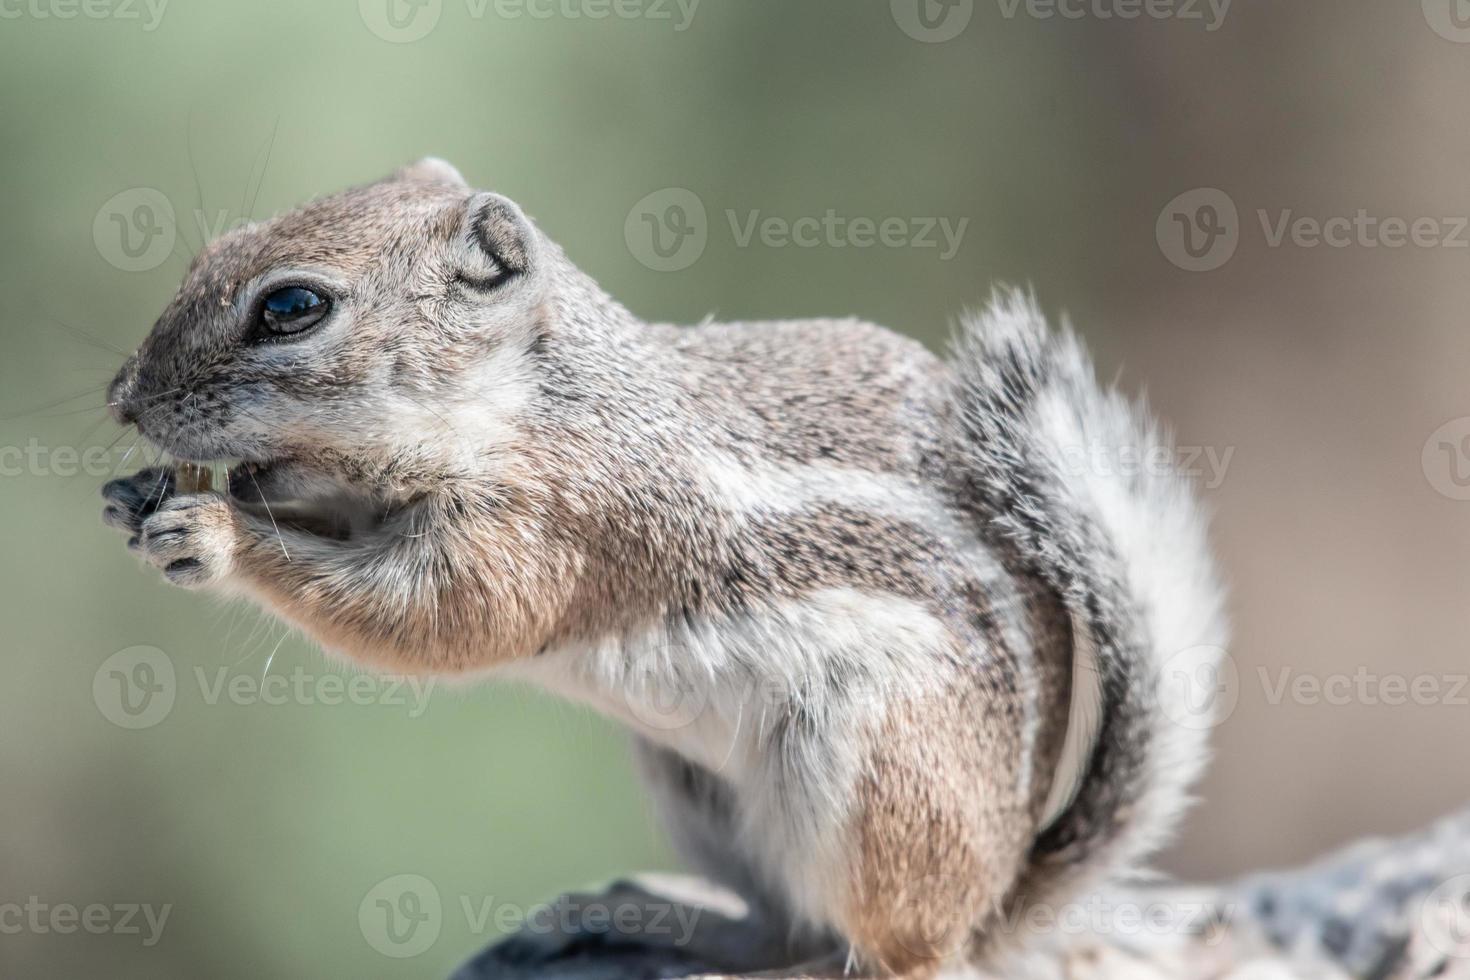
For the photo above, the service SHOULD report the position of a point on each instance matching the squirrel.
(847, 594)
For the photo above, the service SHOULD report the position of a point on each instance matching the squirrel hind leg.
(933, 851)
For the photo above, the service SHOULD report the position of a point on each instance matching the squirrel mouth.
(289, 490)
(291, 493)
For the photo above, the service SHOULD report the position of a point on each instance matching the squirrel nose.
(120, 394)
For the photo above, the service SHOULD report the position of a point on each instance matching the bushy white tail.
(1082, 483)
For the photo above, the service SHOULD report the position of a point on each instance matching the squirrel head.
(378, 336)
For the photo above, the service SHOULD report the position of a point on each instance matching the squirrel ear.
(501, 231)
(431, 170)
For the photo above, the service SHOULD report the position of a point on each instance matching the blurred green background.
(266, 827)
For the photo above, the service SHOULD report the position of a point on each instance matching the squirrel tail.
(1081, 484)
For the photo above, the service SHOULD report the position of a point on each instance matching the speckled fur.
(857, 567)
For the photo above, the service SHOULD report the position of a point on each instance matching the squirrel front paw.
(191, 538)
(133, 499)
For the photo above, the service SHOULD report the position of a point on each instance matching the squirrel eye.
(292, 310)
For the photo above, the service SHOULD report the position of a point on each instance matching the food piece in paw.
(193, 478)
